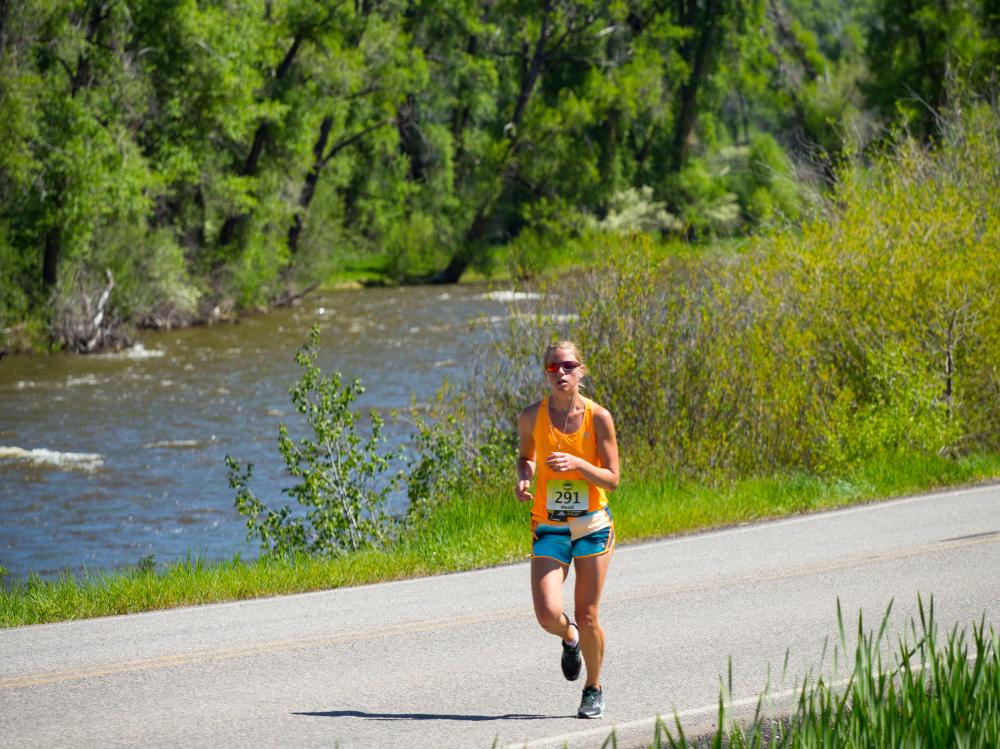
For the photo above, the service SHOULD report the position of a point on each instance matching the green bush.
(765, 183)
(531, 252)
(926, 694)
(344, 476)
(451, 457)
(869, 330)
(707, 206)
(636, 210)
(413, 249)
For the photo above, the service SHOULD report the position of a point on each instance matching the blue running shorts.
(557, 542)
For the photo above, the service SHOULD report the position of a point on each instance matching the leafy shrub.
(414, 249)
(529, 253)
(342, 473)
(764, 183)
(14, 297)
(548, 238)
(707, 206)
(904, 413)
(450, 458)
(869, 330)
(636, 210)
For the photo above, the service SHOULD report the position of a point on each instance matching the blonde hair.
(553, 347)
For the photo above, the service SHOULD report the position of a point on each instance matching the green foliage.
(708, 208)
(917, 50)
(344, 480)
(531, 252)
(635, 210)
(903, 414)
(926, 694)
(451, 460)
(146, 565)
(14, 299)
(413, 249)
(226, 155)
(869, 331)
(475, 529)
(766, 186)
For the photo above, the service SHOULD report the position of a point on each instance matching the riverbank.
(510, 266)
(470, 533)
(107, 459)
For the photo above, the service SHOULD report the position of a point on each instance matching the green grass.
(471, 533)
(928, 694)
(649, 508)
(357, 272)
(569, 256)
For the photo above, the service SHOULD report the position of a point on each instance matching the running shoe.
(592, 704)
(571, 661)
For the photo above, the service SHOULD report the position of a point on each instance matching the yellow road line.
(433, 625)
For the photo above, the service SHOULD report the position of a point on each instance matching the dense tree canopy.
(220, 154)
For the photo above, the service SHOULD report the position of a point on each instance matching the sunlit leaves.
(870, 332)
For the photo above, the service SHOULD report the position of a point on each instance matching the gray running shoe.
(592, 704)
(571, 661)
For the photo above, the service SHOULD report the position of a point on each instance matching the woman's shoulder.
(531, 411)
(600, 412)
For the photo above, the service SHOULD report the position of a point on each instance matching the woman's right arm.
(525, 454)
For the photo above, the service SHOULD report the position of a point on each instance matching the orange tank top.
(559, 496)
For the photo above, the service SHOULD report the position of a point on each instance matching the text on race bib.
(563, 496)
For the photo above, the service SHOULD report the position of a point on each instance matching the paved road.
(457, 660)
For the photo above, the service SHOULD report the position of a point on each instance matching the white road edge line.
(634, 726)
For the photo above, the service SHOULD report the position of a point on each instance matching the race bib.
(566, 498)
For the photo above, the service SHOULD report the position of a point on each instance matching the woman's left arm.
(605, 476)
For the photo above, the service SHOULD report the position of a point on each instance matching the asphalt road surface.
(458, 660)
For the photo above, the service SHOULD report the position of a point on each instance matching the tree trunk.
(260, 137)
(98, 15)
(698, 55)
(309, 188)
(50, 261)
(4, 6)
(232, 223)
(321, 160)
(791, 41)
(52, 250)
(531, 71)
(460, 117)
(411, 140)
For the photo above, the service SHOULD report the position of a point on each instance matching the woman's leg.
(590, 574)
(547, 577)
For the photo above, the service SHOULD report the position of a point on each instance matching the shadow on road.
(426, 716)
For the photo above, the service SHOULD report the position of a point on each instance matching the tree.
(919, 50)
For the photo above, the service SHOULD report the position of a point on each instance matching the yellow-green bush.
(870, 329)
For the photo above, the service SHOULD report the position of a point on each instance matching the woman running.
(568, 445)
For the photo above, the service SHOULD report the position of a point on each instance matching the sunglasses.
(566, 366)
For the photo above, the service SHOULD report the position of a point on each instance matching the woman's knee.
(549, 619)
(586, 617)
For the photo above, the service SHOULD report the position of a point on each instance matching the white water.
(507, 296)
(60, 461)
(113, 457)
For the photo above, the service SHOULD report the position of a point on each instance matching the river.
(107, 459)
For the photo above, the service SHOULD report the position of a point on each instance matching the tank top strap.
(542, 417)
(588, 415)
